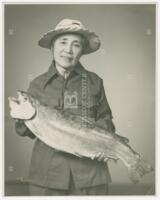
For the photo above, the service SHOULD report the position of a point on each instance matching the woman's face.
(67, 50)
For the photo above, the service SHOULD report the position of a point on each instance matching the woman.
(70, 87)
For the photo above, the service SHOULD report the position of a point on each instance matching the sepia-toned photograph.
(79, 99)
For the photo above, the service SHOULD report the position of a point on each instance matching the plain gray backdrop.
(125, 61)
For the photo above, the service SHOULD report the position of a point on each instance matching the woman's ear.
(52, 49)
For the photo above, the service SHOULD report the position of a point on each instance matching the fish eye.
(25, 98)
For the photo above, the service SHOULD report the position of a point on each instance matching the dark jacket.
(82, 93)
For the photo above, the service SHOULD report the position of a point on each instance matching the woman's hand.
(100, 157)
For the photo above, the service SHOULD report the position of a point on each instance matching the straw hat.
(71, 26)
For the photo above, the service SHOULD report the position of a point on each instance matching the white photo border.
(157, 196)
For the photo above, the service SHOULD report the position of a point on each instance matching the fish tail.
(139, 170)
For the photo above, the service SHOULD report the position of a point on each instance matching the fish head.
(22, 107)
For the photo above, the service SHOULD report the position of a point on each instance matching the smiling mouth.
(67, 57)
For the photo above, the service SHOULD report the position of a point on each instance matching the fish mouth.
(17, 100)
(21, 95)
(14, 100)
(21, 107)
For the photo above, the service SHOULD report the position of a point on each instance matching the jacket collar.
(52, 71)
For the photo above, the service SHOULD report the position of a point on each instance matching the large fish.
(65, 132)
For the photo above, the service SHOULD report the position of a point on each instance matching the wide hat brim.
(93, 43)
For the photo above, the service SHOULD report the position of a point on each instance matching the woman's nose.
(68, 48)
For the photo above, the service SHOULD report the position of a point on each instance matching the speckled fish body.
(65, 132)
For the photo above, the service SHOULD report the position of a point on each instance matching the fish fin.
(78, 155)
(139, 170)
(123, 139)
(113, 159)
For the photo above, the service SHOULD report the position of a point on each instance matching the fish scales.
(71, 142)
(70, 127)
(65, 132)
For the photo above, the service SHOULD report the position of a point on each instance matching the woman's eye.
(77, 45)
(63, 42)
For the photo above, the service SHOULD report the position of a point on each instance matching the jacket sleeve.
(104, 113)
(21, 128)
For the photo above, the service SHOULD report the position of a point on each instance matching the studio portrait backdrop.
(125, 62)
